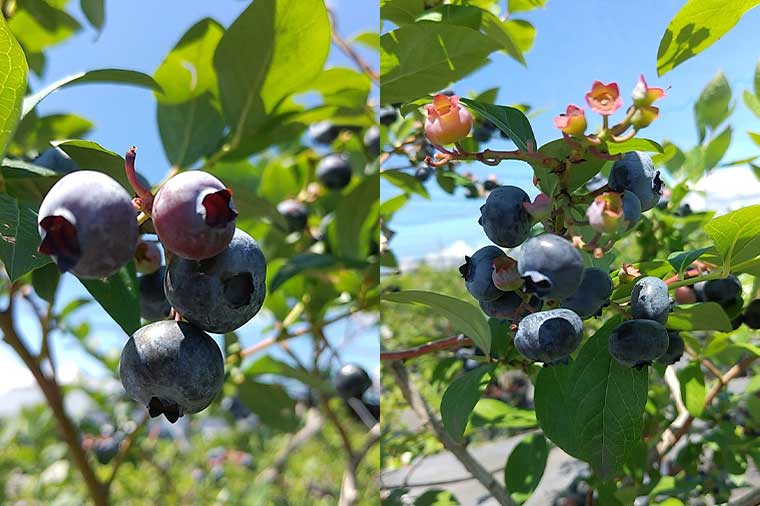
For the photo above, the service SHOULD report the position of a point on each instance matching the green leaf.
(524, 5)
(716, 148)
(26, 181)
(752, 102)
(271, 403)
(522, 33)
(269, 365)
(190, 130)
(342, 87)
(736, 235)
(19, 238)
(95, 12)
(435, 497)
(692, 381)
(369, 39)
(593, 407)
(461, 397)
(401, 11)
(270, 51)
(355, 217)
(115, 76)
(298, 264)
(464, 316)
(45, 129)
(525, 467)
(13, 69)
(45, 281)
(37, 24)
(494, 413)
(406, 182)
(390, 206)
(695, 27)
(509, 120)
(188, 71)
(713, 105)
(634, 144)
(90, 155)
(755, 137)
(119, 296)
(680, 260)
(449, 53)
(702, 316)
(580, 172)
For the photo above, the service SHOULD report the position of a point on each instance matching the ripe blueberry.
(591, 295)
(635, 172)
(172, 368)
(650, 300)
(323, 132)
(506, 306)
(631, 208)
(477, 272)
(352, 381)
(388, 115)
(724, 291)
(636, 343)
(504, 218)
(153, 303)
(549, 336)
(194, 215)
(675, 349)
(334, 171)
(551, 266)
(752, 314)
(423, 173)
(372, 141)
(295, 212)
(88, 224)
(221, 293)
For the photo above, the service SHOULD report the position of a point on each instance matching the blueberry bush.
(607, 318)
(267, 213)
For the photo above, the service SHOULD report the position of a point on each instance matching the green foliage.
(12, 89)
(460, 398)
(525, 467)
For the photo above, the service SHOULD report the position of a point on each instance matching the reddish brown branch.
(441, 344)
(350, 52)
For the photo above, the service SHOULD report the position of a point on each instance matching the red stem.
(142, 192)
(442, 344)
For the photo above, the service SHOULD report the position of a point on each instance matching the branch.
(751, 498)
(665, 446)
(420, 407)
(350, 52)
(314, 424)
(349, 492)
(124, 449)
(429, 347)
(52, 393)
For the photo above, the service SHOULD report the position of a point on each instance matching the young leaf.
(525, 467)
(735, 235)
(634, 144)
(190, 130)
(680, 260)
(464, 316)
(460, 398)
(271, 403)
(593, 407)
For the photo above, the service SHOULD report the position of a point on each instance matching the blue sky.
(577, 43)
(137, 35)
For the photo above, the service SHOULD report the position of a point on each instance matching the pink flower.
(603, 98)
(644, 116)
(573, 122)
(447, 122)
(643, 95)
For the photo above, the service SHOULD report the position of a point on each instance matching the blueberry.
(88, 224)
(153, 303)
(592, 294)
(172, 368)
(724, 291)
(56, 160)
(491, 183)
(295, 212)
(650, 300)
(504, 218)
(631, 208)
(477, 272)
(423, 173)
(505, 307)
(106, 448)
(334, 171)
(194, 215)
(637, 343)
(684, 210)
(752, 314)
(596, 182)
(675, 349)
(222, 293)
(549, 336)
(388, 115)
(635, 172)
(352, 381)
(551, 266)
(372, 141)
(323, 132)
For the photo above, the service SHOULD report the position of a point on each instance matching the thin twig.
(124, 449)
(350, 52)
(312, 426)
(429, 347)
(349, 490)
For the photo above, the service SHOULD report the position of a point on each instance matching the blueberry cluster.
(214, 277)
(353, 384)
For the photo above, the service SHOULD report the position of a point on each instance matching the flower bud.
(644, 116)
(447, 122)
(572, 122)
(605, 214)
(643, 95)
